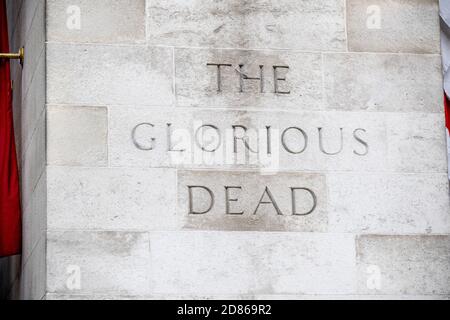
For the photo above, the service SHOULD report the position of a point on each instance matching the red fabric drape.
(10, 216)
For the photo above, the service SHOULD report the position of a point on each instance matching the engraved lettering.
(244, 138)
(191, 200)
(360, 140)
(272, 202)
(277, 78)
(294, 202)
(228, 201)
(285, 146)
(201, 145)
(269, 140)
(169, 140)
(139, 145)
(219, 73)
(321, 144)
(243, 76)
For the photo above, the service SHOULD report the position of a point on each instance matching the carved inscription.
(267, 199)
(278, 73)
(224, 200)
(240, 200)
(249, 201)
(294, 140)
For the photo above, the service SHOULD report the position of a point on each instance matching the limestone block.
(97, 262)
(249, 201)
(103, 75)
(251, 263)
(383, 82)
(389, 203)
(111, 199)
(77, 136)
(330, 141)
(393, 26)
(101, 21)
(304, 25)
(417, 141)
(106, 297)
(248, 297)
(405, 265)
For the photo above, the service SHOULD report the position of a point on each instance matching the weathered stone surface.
(387, 82)
(371, 142)
(305, 25)
(105, 261)
(406, 264)
(82, 297)
(247, 297)
(111, 199)
(200, 84)
(185, 123)
(353, 297)
(389, 204)
(363, 130)
(416, 141)
(77, 136)
(251, 263)
(103, 75)
(107, 21)
(239, 201)
(393, 26)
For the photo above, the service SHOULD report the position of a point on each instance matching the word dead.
(207, 198)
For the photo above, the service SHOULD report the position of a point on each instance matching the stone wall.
(154, 187)
(118, 213)
(24, 276)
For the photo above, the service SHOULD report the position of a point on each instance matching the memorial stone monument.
(253, 149)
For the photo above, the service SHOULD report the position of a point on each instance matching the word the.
(276, 71)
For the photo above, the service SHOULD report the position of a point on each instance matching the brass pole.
(19, 56)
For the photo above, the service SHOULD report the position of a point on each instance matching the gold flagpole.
(20, 55)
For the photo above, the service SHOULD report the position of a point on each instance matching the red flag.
(10, 217)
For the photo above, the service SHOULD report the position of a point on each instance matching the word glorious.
(209, 138)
